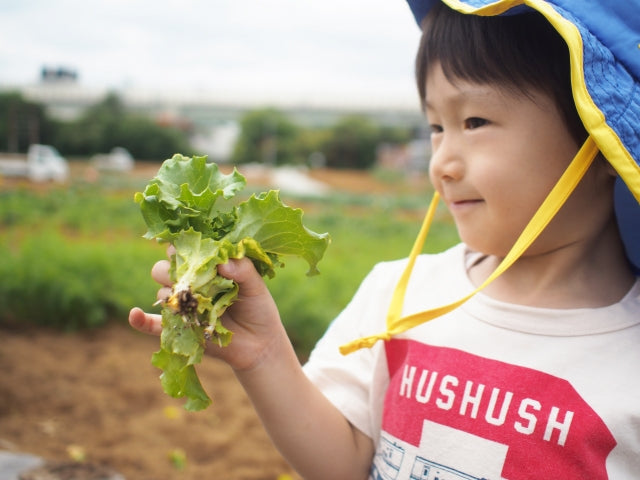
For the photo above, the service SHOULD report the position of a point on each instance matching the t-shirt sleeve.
(349, 381)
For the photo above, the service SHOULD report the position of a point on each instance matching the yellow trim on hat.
(605, 137)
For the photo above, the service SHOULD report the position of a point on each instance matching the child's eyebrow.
(478, 94)
(427, 105)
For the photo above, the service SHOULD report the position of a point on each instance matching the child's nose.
(446, 159)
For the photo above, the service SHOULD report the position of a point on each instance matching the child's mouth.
(464, 204)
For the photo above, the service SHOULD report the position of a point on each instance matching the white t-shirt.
(491, 390)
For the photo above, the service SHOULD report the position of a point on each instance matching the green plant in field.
(178, 458)
(69, 284)
(79, 208)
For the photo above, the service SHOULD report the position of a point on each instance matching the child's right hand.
(253, 318)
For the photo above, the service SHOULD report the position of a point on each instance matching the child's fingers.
(244, 273)
(164, 293)
(160, 273)
(145, 322)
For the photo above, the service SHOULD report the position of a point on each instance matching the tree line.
(101, 127)
(266, 136)
(269, 136)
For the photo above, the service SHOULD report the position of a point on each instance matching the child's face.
(496, 155)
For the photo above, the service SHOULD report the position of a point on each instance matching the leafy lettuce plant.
(185, 205)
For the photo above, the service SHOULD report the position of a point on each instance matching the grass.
(69, 283)
(74, 257)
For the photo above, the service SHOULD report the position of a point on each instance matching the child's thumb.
(244, 274)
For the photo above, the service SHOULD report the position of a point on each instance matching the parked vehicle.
(40, 164)
(119, 159)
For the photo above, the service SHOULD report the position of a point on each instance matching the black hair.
(520, 52)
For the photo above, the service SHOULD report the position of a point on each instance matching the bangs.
(520, 53)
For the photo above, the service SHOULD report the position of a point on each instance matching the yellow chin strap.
(397, 324)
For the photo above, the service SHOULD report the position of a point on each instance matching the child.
(535, 376)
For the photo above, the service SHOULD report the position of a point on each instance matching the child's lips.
(463, 205)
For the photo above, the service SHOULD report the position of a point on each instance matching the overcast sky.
(358, 51)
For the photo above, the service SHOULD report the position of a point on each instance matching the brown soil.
(94, 396)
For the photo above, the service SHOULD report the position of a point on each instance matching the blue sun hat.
(603, 37)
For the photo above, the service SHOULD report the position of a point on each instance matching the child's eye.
(475, 122)
(434, 128)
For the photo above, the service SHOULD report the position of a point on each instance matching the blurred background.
(316, 99)
(88, 77)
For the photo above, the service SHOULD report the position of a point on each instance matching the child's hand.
(148, 322)
(253, 318)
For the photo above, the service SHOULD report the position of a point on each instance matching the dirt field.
(94, 396)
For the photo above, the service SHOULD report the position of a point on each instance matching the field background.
(77, 383)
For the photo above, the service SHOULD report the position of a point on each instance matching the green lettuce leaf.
(184, 194)
(278, 230)
(180, 206)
